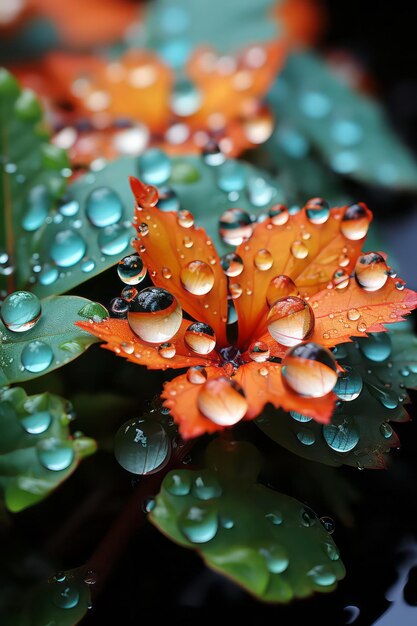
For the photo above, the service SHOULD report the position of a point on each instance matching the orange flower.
(299, 284)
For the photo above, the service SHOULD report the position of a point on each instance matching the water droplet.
(355, 221)
(131, 269)
(200, 338)
(317, 210)
(103, 207)
(212, 155)
(308, 517)
(315, 104)
(206, 486)
(168, 200)
(142, 446)
(322, 575)
(185, 219)
(186, 99)
(389, 400)
(197, 277)
(166, 273)
(258, 352)
(227, 523)
(114, 239)
(87, 266)
(55, 455)
(36, 356)
(232, 264)
(146, 195)
(48, 275)
(290, 320)
(276, 558)
(259, 191)
(371, 271)
(231, 176)
(68, 206)
(280, 287)
(329, 525)
(38, 203)
(65, 596)
(235, 226)
(20, 311)
(119, 308)
(263, 260)
(306, 437)
(154, 315)
(299, 417)
(386, 430)
(155, 167)
(310, 370)
(197, 375)
(36, 423)
(342, 435)
(376, 347)
(148, 504)
(67, 248)
(235, 290)
(167, 350)
(222, 401)
(199, 524)
(278, 214)
(178, 483)
(353, 314)
(275, 517)
(349, 384)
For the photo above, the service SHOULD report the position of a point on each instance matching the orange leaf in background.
(305, 285)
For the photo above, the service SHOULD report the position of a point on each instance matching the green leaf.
(32, 178)
(196, 185)
(51, 343)
(319, 113)
(36, 450)
(360, 434)
(267, 542)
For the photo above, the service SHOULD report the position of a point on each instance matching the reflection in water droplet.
(276, 558)
(154, 315)
(114, 239)
(131, 269)
(355, 221)
(342, 435)
(142, 446)
(37, 205)
(185, 219)
(87, 266)
(376, 347)
(280, 287)
(222, 401)
(198, 524)
(67, 248)
(388, 399)
(65, 596)
(206, 486)
(200, 338)
(68, 206)
(258, 351)
(371, 271)
(55, 455)
(299, 417)
(290, 320)
(36, 423)
(235, 290)
(322, 575)
(178, 483)
(309, 370)
(36, 356)
(328, 524)
(197, 375)
(386, 430)
(317, 210)
(154, 167)
(103, 207)
(167, 350)
(349, 384)
(235, 226)
(128, 293)
(168, 200)
(118, 308)
(48, 275)
(231, 176)
(299, 250)
(232, 264)
(20, 311)
(308, 517)
(278, 214)
(197, 277)
(306, 437)
(263, 260)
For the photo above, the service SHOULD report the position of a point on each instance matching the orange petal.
(303, 20)
(180, 397)
(262, 383)
(306, 252)
(120, 339)
(183, 260)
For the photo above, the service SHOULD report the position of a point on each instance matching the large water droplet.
(197, 375)
(36, 423)
(131, 269)
(278, 214)
(342, 435)
(235, 226)
(231, 176)
(280, 287)
(376, 347)
(258, 351)
(186, 98)
(167, 350)
(20, 311)
(142, 446)
(232, 264)
(355, 221)
(197, 277)
(276, 558)
(155, 167)
(371, 271)
(222, 401)
(103, 207)
(206, 486)
(199, 524)
(65, 596)
(263, 260)
(349, 384)
(55, 455)
(299, 250)
(178, 483)
(200, 338)
(290, 320)
(36, 356)
(114, 239)
(310, 370)
(168, 200)
(154, 315)
(38, 203)
(317, 210)
(67, 248)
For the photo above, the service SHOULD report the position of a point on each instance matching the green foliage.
(32, 177)
(319, 113)
(51, 343)
(36, 450)
(269, 543)
(360, 435)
